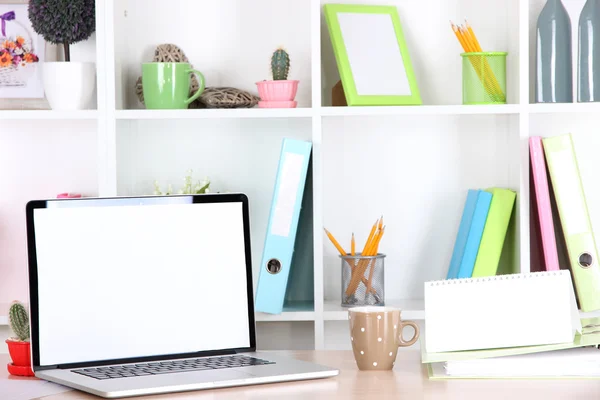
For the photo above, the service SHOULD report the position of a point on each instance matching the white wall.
(38, 159)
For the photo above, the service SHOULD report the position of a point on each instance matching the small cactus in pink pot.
(279, 92)
(280, 65)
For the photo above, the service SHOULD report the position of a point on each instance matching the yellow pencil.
(335, 243)
(459, 36)
(353, 246)
(376, 249)
(467, 39)
(370, 280)
(373, 229)
(475, 41)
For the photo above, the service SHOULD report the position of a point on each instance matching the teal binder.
(463, 233)
(482, 207)
(280, 241)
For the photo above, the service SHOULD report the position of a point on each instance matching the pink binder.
(544, 210)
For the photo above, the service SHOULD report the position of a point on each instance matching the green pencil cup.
(484, 77)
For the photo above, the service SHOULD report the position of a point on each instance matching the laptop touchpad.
(226, 375)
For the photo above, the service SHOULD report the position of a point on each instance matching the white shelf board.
(322, 111)
(554, 108)
(286, 316)
(216, 113)
(458, 109)
(260, 317)
(411, 309)
(48, 114)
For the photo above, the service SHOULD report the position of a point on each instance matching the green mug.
(167, 85)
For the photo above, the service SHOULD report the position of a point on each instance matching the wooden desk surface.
(408, 381)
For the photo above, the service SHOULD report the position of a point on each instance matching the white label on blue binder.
(287, 195)
(570, 192)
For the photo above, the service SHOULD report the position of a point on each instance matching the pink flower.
(16, 60)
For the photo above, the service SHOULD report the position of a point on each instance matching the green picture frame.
(358, 33)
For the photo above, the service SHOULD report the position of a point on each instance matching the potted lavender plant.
(68, 85)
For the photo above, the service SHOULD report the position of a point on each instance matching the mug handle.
(413, 339)
(200, 89)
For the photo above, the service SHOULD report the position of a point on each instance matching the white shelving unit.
(413, 164)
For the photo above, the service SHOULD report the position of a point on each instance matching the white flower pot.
(69, 85)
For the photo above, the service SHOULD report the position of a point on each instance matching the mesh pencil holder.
(484, 77)
(362, 280)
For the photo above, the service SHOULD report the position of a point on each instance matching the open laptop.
(143, 295)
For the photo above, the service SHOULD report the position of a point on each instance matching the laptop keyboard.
(169, 367)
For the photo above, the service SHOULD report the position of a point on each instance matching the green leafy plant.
(18, 319)
(189, 187)
(280, 65)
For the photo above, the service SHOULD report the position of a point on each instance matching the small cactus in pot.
(18, 320)
(19, 346)
(279, 92)
(280, 65)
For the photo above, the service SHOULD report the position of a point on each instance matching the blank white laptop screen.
(133, 281)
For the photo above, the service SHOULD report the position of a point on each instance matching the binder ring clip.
(585, 260)
(273, 266)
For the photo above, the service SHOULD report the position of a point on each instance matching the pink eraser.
(68, 196)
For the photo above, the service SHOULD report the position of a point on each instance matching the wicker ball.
(228, 97)
(170, 53)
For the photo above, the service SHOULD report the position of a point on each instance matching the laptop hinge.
(45, 367)
(246, 350)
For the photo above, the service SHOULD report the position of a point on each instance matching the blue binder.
(463, 233)
(283, 224)
(482, 207)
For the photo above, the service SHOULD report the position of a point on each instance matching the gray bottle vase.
(554, 70)
(588, 63)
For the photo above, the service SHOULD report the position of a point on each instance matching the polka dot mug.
(376, 334)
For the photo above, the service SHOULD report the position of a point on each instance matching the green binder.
(494, 233)
(434, 361)
(574, 219)
(589, 337)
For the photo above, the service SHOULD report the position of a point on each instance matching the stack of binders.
(481, 234)
(507, 326)
(563, 194)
